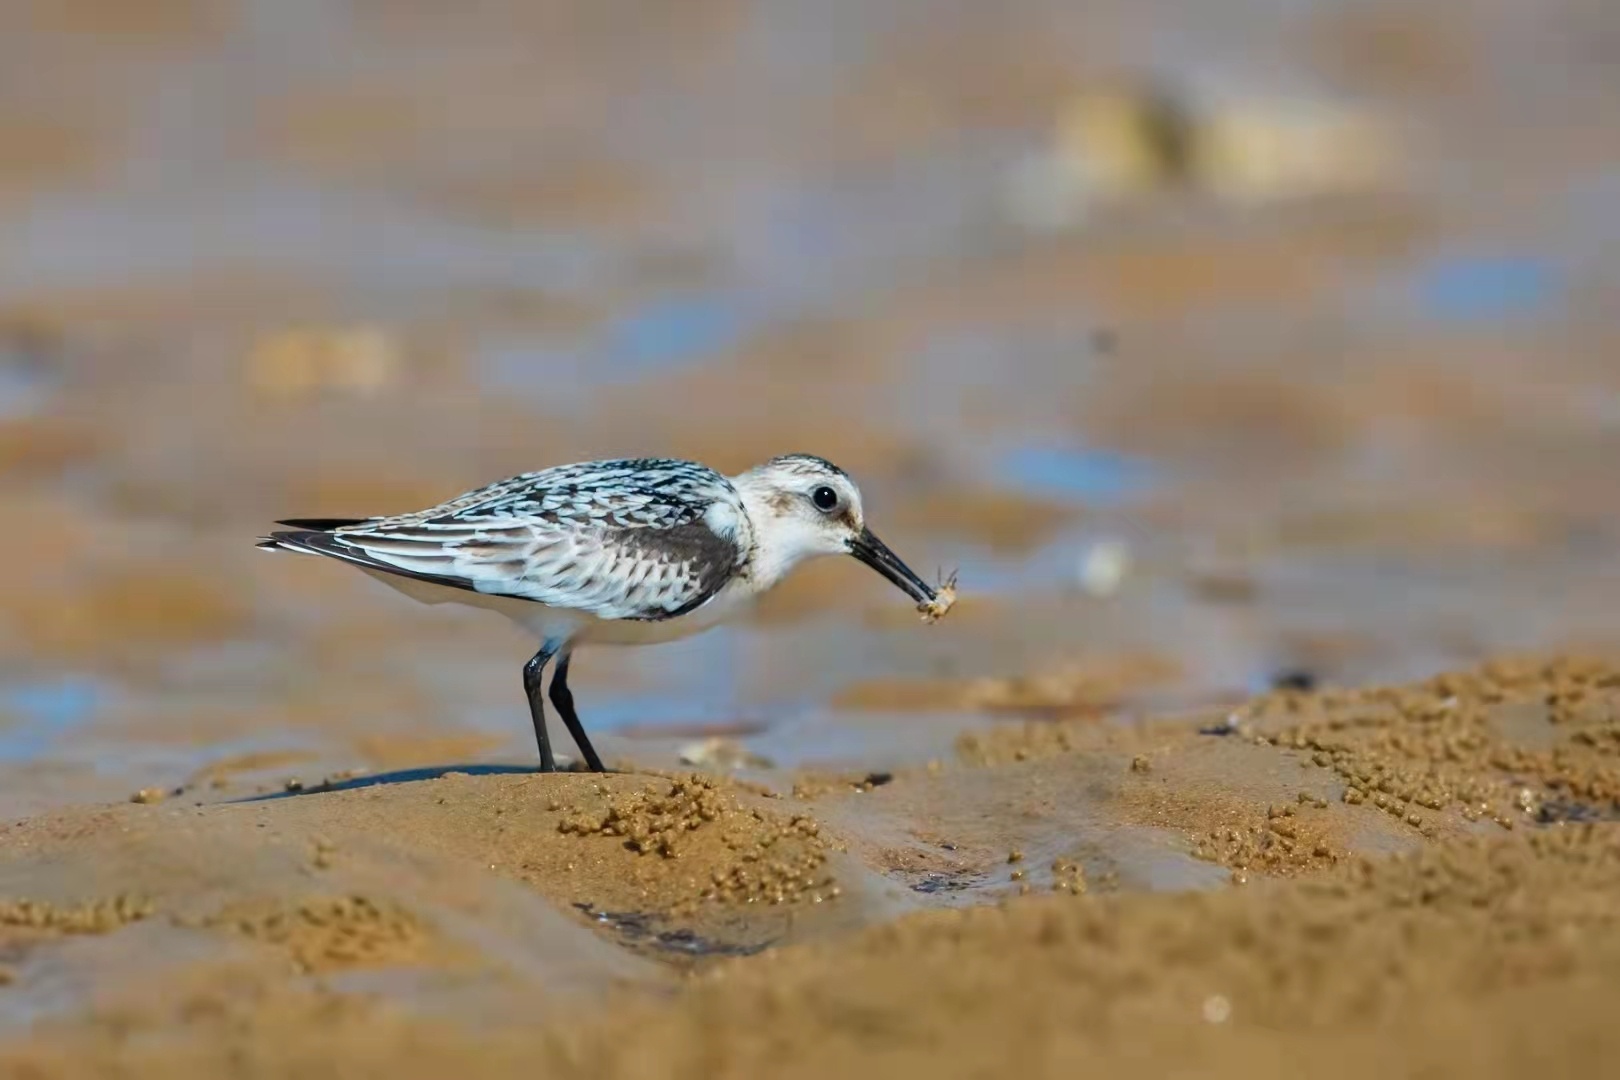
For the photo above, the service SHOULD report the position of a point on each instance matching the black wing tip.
(321, 524)
(306, 530)
(322, 542)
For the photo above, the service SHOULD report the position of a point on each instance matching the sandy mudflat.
(1253, 364)
(1417, 877)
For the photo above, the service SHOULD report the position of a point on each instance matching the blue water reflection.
(1070, 472)
(1476, 288)
(44, 709)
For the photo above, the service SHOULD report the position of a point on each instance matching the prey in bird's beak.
(874, 553)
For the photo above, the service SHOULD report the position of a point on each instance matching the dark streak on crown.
(808, 463)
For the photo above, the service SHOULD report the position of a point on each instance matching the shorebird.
(619, 552)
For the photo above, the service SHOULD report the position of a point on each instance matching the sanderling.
(622, 552)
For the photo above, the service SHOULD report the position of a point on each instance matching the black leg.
(563, 698)
(532, 672)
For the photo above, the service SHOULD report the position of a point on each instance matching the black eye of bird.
(825, 498)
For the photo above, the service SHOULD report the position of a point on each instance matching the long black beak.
(874, 553)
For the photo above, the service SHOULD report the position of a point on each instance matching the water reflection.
(45, 710)
(1071, 472)
(1484, 288)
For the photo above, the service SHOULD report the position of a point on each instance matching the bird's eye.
(825, 498)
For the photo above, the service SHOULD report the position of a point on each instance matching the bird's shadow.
(399, 776)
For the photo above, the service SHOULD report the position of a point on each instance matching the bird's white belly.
(547, 623)
(728, 602)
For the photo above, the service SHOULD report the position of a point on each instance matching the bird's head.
(803, 507)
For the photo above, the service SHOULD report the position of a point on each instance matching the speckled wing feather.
(621, 539)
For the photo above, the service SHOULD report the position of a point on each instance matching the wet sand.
(1274, 731)
(1418, 878)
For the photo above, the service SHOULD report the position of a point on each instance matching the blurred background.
(1215, 343)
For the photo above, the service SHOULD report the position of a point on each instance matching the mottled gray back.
(618, 539)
